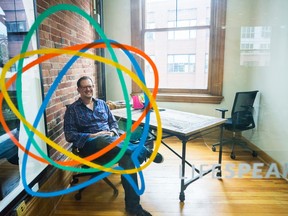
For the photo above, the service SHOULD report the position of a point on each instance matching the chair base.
(234, 141)
(75, 180)
(149, 144)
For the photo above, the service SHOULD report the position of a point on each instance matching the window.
(206, 62)
(255, 46)
(247, 32)
(186, 39)
(181, 63)
(184, 18)
(16, 17)
(266, 32)
(19, 26)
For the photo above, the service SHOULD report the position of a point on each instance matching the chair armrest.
(223, 111)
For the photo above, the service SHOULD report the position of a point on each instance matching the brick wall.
(62, 29)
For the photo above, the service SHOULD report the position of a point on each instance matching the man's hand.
(109, 133)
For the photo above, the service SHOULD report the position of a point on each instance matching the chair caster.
(254, 154)
(233, 156)
(213, 148)
(78, 196)
(219, 174)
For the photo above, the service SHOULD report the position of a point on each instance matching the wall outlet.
(21, 208)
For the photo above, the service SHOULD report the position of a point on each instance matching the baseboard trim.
(264, 157)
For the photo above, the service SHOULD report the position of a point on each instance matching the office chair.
(75, 178)
(241, 120)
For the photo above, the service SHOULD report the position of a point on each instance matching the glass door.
(16, 18)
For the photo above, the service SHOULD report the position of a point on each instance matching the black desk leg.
(182, 195)
(219, 174)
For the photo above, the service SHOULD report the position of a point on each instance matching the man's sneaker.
(141, 212)
(158, 158)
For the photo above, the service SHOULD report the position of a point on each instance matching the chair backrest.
(242, 111)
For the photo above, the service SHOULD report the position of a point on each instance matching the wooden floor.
(9, 177)
(206, 196)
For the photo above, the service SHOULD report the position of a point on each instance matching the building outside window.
(183, 45)
(14, 25)
(255, 46)
(181, 63)
(186, 18)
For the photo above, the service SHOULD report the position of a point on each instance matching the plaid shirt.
(80, 121)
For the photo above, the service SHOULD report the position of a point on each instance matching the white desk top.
(175, 122)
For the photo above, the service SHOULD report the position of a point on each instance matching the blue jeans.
(132, 199)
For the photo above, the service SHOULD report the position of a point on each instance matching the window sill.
(189, 98)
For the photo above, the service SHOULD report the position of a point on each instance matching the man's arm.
(70, 129)
(113, 124)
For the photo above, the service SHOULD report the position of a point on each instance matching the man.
(90, 126)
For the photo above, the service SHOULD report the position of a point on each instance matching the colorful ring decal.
(79, 51)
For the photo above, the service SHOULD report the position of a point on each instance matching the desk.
(185, 126)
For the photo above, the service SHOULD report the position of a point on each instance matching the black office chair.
(241, 120)
(75, 178)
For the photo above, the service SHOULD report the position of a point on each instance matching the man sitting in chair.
(90, 126)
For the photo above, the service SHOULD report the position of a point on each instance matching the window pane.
(176, 60)
(14, 19)
(161, 12)
(182, 27)
(176, 51)
(255, 46)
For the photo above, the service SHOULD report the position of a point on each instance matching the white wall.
(117, 27)
(271, 81)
